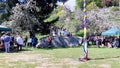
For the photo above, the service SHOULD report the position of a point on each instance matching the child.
(49, 41)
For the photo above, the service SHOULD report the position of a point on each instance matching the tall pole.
(85, 58)
(119, 4)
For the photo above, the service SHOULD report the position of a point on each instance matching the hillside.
(98, 19)
(40, 16)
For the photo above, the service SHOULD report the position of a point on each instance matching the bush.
(91, 6)
(114, 8)
(80, 3)
(81, 33)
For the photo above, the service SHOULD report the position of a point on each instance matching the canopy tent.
(4, 28)
(113, 31)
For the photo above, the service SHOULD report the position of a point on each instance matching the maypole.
(85, 58)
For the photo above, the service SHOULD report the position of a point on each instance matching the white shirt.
(19, 40)
(30, 40)
(2, 37)
(53, 33)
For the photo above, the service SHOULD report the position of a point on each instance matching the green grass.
(61, 58)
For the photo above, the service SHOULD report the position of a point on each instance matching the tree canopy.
(29, 15)
(40, 15)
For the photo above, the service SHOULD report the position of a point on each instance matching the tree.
(5, 8)
(80, 3)
(23, 15)
(31, 16)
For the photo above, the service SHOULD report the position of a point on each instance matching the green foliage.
(72, 26)
(90, 42)
(116, 2)
(51, 18)
(59, 24)
(91, 6)
(39, 36)
(81, 33)
(114, 8)
(94, 2)
(79, 4)
(11, 3)
(4, 16)
(75, 22)
(98, 3)
(54, 14)
(117, 19)
(1, 5)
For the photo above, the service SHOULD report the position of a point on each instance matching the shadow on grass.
(89, 59)
(15, 51)
(106, 58)
(59, 47)
(2, 51)
(80, 46)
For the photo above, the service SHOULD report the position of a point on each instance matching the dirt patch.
(105, 66)
(71, 61)
(30, 59)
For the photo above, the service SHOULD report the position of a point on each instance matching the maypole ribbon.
(85, 40)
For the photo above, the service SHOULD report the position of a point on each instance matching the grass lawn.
(61, 58)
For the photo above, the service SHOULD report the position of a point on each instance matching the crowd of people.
(59, 32)
(9, 42)
(15, 41)
(100, 41)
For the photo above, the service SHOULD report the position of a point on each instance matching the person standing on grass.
(2, 40)
(119, 41)
(19, 42)
(116, 43)
(29, 42)
(34, 41)
(25, 39)
(98, 41)
(7, 40)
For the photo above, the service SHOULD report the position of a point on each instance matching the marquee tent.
(4, 28)
(113, 31)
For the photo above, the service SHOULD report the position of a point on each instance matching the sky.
(70, 4)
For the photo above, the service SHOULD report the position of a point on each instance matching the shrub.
(80, 3)
(81, 33)
(91, 6)
(114, 8)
